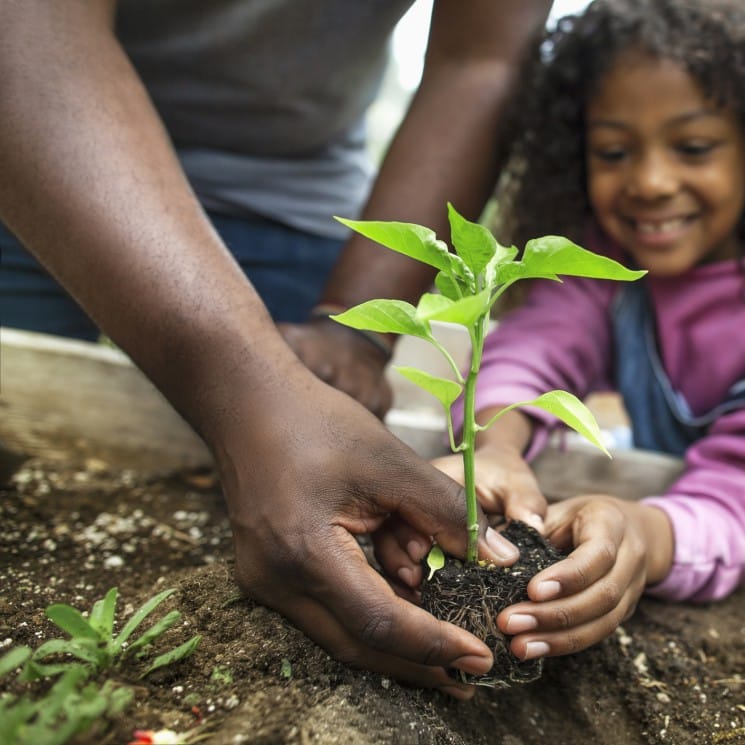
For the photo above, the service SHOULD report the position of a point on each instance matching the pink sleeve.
(707, 509)
(557, 339)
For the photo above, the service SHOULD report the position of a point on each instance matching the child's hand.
(505, 483)
(619, 548)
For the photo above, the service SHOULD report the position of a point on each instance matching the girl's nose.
(652, 177)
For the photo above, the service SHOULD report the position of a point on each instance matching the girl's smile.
(660, 231)
(665, 166)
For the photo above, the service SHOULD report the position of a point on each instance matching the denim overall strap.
(660, 417)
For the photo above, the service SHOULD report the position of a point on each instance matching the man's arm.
(90, 183)
(446, 147)
(445, 150)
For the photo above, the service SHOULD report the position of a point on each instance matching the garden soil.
(70, 531)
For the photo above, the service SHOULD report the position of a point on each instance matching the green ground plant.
(470, 280)
(74, 702)
(92, 640)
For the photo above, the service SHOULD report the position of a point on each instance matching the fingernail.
(406, 575)
(503, 549)
(535, 521)
(473, 665)
(536, 649)
(519, 622)
(547, 590)
(416, 550)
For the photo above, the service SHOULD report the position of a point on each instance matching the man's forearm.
(91, 185)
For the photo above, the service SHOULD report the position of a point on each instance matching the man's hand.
(343, 358)
(305, 473)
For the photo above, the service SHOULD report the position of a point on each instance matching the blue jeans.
(287, 267)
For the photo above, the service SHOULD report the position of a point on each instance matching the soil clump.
(472, 595)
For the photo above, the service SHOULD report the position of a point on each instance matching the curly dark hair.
(542, 189)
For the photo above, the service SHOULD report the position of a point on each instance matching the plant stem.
(469, 440)
(453, 365)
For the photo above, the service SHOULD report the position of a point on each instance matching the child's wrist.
(660, 542)
(513, 430)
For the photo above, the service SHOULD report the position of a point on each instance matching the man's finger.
(376, 619)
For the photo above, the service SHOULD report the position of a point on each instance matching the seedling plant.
(470, 281)
(73, 702)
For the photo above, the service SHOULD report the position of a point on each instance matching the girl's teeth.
(660, 227)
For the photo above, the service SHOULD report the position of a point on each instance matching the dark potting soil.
(472, 595)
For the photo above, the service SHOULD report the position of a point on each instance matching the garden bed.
(78, 517)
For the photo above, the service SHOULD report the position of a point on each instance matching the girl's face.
(665, 166)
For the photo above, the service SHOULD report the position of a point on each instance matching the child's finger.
(574, 638)
(516, 496)
(526, 503)
(582, 568)
(598, 529)
(400, 550)
(610, 596)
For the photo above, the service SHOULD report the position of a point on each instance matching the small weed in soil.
(472, 596)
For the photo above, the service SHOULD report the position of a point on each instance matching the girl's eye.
(609, 154)
(697, 148)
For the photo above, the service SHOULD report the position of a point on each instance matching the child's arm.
(706, 507)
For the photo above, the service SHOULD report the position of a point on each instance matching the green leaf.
(155, 630)
(430, 304)
(15, 713)
(179, 653)
(386, 316)
(71, 620)
(435, 560)
(412, 240)
(87, 707)
(35, 671)
(86, 650)
(451, 287)
(472, 242)
(119, 699)
(102, 614)
(67, 685)
(221, 675)
(503, 256)
(445, 391)
(554, 255)
(13, 659)
(286, 669)
(137, 618)
(570, 410)
(465, 311)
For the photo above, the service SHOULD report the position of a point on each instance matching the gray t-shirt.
(265, 99)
